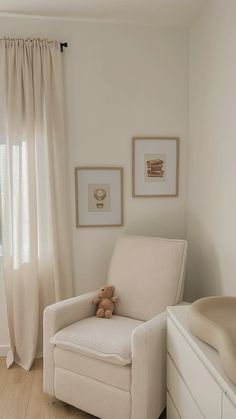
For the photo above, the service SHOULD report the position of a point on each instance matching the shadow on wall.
(159, 224)
(93, 248)
(204, 276)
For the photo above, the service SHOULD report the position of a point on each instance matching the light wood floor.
(21, 396)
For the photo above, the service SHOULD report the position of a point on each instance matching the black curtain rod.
(63, 45)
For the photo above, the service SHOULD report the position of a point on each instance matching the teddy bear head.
(106, 291)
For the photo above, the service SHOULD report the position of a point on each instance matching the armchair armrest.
(56, 317)
(63, 313)
(148, 387)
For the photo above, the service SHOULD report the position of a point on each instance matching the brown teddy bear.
(105, 301)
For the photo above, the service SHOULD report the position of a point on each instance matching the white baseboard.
(4, 350)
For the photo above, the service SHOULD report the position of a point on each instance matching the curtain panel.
(36, 247)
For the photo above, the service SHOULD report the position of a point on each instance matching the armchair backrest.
(148, 275)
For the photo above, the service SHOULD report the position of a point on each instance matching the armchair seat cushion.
(105, 339)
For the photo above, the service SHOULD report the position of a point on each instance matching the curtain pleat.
(36, 246)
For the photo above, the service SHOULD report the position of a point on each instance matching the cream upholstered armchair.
(116, 368)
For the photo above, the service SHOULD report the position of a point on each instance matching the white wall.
(120, 81)
(125, 80)
(212, 152)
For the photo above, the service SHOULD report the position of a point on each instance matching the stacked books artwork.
(155, 168)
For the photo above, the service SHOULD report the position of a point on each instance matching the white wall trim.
(3, 350)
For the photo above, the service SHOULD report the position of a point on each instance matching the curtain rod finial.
(63, 45)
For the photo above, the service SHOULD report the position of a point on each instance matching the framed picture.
(99, 196)
(155, 166)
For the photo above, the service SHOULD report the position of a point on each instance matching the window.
(20, 200)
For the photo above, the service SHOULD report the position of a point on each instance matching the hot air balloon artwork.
(99, 196)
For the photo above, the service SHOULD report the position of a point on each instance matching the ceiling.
(153, 12)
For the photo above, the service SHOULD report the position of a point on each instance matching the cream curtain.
(36, 249)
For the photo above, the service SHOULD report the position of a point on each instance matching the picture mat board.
(166, 146)
(85, 177)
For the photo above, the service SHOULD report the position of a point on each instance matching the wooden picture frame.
(155, 167)
(99, 196)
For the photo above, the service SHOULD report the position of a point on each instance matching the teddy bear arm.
(114, 299)
(96, 300)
